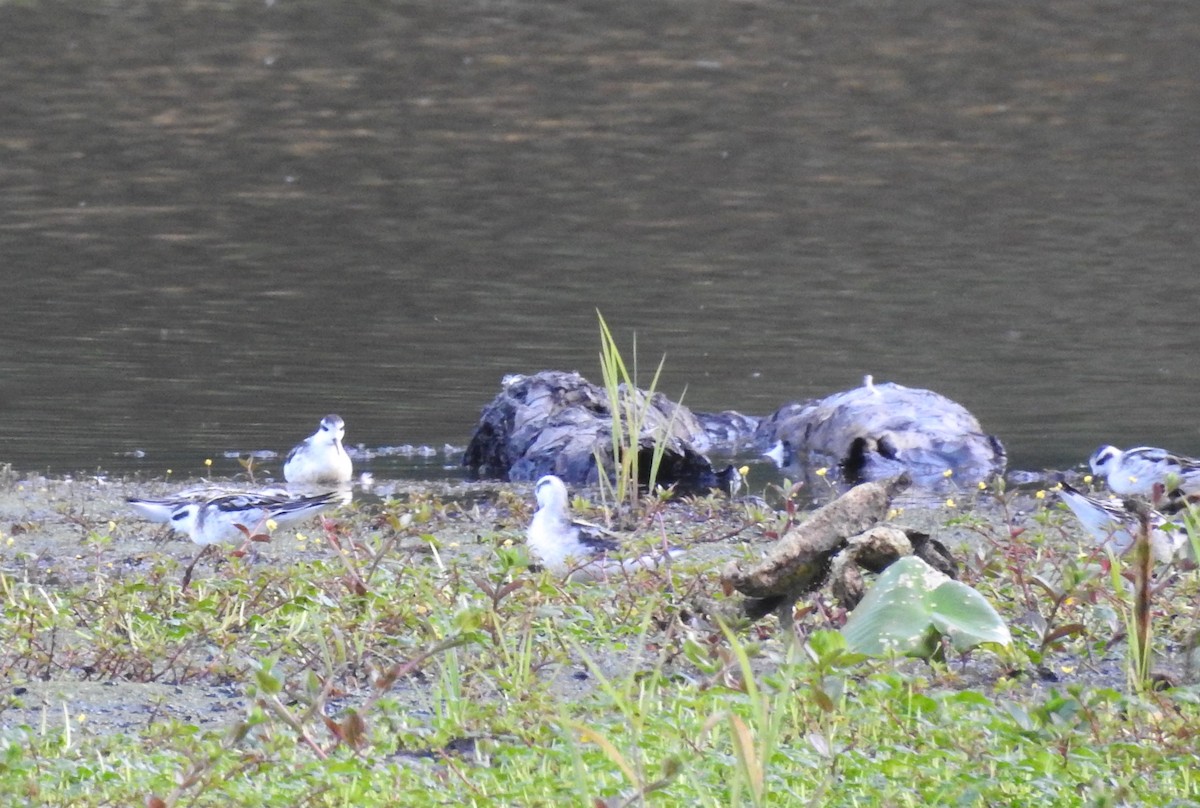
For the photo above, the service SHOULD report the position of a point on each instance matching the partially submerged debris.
(558, 423)
(878, 431)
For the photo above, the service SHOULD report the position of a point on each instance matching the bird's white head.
(184, 517)
(333, 428)
(551, 493)
(1103, 460)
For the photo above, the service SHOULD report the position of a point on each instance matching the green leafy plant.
(912, 606)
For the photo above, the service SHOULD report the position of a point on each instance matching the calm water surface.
(221, 220)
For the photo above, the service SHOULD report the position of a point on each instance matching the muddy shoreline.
(60, 534)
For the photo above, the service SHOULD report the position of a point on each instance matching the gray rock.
(557, 423)
(878, 431)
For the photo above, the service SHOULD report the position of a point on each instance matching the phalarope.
(160, 510)
(1135, 471)
(217, 519)
(781, 454)
(566, 546)
(320, 459)
(1110, 523)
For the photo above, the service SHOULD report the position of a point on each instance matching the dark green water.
(219, 221)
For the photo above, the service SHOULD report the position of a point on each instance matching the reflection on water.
(222, 221)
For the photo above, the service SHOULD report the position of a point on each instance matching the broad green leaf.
(912, 605)
(965, 616)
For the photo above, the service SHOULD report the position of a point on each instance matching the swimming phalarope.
(216, 519)
(566, 546)
(320, 459)
(1135, 471)
(1109, 522)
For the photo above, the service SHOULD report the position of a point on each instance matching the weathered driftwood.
(800, 559)
(836, 542)
(877, 549)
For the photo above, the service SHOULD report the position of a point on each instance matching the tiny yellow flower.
(300, 537)
(508, 542)
(272, 524)
(950, 503)
(9, 541)
(982, 485)
(948, 473)
(744, 470)
(208, 462)
(168, 471)
(1056, 487)
(452, 544)
(111, 526)
(1087, 478)
(821, 472)
(1040, 495)
(81, 718)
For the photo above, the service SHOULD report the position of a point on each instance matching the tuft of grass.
(629, 409)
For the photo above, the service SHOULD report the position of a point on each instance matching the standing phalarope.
(160, 510)
(216, 519)
(1110, 523)
(565, 546)
(1135, 471)
(320, 459)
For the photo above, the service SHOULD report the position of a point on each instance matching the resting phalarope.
(565, 546)
(1135, 471)
(1110, 523)
(781, 454)
(320, 459)
(216, 519)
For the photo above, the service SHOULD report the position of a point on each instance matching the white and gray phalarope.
(1110, 523)
(215, 519)
(565, 546)
(1134, 472)
(320, 459)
